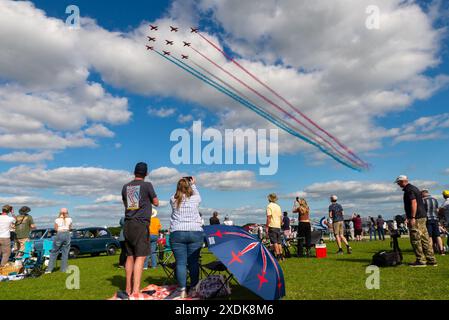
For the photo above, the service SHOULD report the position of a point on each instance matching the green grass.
(335, 277)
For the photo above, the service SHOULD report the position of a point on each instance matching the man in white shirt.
(228, 221)
(6, 224)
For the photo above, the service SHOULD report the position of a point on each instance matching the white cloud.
(161, 112)
(230, 180)
(99, 130)
(29, 201)
(184, 118)
(424, 128)
(109, 198)
(25, 157)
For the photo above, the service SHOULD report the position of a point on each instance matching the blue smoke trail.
(249, 105)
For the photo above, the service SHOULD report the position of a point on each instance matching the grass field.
(335, 277)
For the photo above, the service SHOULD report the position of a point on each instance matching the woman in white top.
(61, 241)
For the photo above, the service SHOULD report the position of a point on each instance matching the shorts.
(275, 235)
(433, 229)
(137, 238)
(338, 228)
(358, 232)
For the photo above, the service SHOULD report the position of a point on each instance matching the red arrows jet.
(193, 30)
(168, 42)
(153, 27)
(166, 53)
(173, 29)
(184, 56)
(149, 48)
(186, 44)
(151, 39)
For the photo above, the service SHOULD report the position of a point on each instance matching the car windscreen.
(36, 234)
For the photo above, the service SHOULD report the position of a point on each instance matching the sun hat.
(401, 178)
(24, 210)
(153, 213)
(272, 197)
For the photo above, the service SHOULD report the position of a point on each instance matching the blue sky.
(373, 125)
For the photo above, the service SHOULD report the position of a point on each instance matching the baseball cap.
(446, 193)
(141, 169)
(401, 178)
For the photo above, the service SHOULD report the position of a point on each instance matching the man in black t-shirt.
(417, 218)
(138, 197)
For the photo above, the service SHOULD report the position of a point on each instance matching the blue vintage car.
(93, 241)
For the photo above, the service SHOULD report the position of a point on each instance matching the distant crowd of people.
(15, 233)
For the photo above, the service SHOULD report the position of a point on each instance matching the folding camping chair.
(46, 250)
(217, 268)
(315, 238)
(33, 266)
(27, 251)
(166, 260)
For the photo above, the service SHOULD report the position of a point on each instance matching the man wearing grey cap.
(417, 218)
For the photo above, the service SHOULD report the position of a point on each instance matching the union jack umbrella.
(251, 263)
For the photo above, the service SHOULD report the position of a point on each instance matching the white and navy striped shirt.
(431, 205)
(187, 217)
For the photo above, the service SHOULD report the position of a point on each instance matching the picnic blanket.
(15, 277)
(162, 293)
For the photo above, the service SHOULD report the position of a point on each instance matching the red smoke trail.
(267, 111)
(271, 102)
(363, 163)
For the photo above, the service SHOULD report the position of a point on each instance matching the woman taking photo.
(61, 241)
(186, 233)
(304, 228)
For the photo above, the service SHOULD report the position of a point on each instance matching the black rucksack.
(388, 258)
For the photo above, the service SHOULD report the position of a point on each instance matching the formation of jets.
(168, 42)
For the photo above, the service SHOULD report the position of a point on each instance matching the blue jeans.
(381, 233)
(186, 246)
(372, 232)
(61, 242)
(153, 244)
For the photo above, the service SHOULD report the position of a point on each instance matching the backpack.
(388, 258)
(213, 286)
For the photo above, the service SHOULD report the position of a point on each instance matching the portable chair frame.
(217, 268)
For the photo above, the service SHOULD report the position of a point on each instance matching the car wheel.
(74, 253)
(111, 250)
